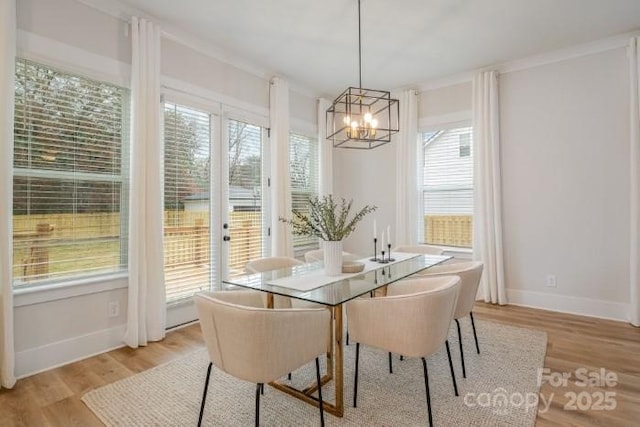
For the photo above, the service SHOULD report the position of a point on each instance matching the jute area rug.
(501, 389)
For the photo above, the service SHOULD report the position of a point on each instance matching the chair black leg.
(390, 364)
(258, 404)
(347, 337)
(262, 389)
(464, 371)
(426, 384)
(355, 381)
(289, 376)
(401, 357)
(204, 394)
(475, 336)
(319, 392)
(453, 374)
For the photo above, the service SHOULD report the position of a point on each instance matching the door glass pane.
(245, 204)
(187, 237)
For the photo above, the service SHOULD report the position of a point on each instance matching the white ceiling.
(404, 42)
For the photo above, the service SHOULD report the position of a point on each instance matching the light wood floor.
(52, 398)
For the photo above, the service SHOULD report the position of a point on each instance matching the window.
(70, 176)
(187, 166)
(303, 161)
(447, 187)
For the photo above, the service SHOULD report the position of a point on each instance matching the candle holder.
(389, 254)
(375, 250)
(382, 260)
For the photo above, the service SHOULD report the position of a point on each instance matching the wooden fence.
(187, 238)
(448, 230)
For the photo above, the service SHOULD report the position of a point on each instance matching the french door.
(245, 213)
(215, 197)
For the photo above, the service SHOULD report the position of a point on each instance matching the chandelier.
(362, 118)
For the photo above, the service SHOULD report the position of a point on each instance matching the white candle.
(389, 233)
(382, 240)
(374, 229)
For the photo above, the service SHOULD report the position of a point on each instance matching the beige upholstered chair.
(257, 344)
(414, 322)
(273, 263)
(469, 273)
(420, 249)
(318, 255)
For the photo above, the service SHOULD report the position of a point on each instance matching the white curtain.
(634, 97)
(146, 309)
(7, 77)
(281, 237)
(407, 158)
(487, 193)
(326, 150)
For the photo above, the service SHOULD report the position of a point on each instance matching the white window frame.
(49, 52)
(81, 284)
(438, 123)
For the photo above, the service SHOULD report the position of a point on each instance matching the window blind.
(70, 175)
(187, 207)
(303, 162)
(448, 187)
(246, 196)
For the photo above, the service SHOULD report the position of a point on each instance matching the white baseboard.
(182, 313)
(53, 355)
(567, 304)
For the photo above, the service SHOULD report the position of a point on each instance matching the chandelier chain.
(359, 46)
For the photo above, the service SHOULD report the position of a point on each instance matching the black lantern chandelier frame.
(362, 118)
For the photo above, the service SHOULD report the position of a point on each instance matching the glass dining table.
(307, 282)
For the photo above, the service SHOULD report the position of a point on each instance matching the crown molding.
(121, 11)
(558, 55)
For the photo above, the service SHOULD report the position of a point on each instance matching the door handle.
(226, 238)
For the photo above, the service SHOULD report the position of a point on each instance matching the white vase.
(332, 257)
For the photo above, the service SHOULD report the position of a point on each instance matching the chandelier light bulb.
(346, 120)
(374, 123)
(367, 117)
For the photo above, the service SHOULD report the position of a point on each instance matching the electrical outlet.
(551, 281)
(114, 309)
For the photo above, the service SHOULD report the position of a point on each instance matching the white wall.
(565, 147)
(56, 326)
(188, 65)
(564, 143)
(367, 177)
(445, 101)
(303, 109)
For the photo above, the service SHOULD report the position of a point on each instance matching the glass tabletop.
(338, 289)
